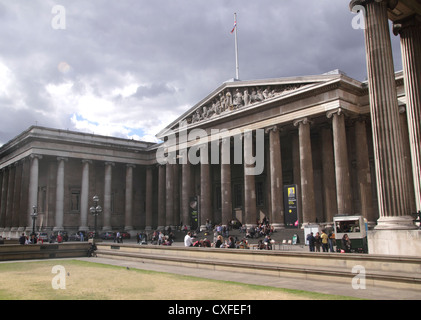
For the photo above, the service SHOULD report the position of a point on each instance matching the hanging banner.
(290, 206)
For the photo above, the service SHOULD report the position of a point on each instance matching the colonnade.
(393, 187)
(20, 192)
(337, 190)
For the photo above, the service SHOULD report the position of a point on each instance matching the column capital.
(62, 159)
(34, 155)
(86, 161)
(302, 121)
(130, 165)
(401, 26)
(275, 128)
(109, 163)
(390, 3)
(226, 140)
(338, 112)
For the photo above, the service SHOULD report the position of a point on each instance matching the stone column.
(108, 179)
(33, 188)
(161, 197)
(169, 195)
(226, 192)
(297, 172)
(410, 34)
(343, 181)
(363, 172)
(407, 158)
(17, 197)
(186, 190)
(387, 137)
(250, 208)
(24, 194)
(10, 192)
(149, 198)
(84, 196)
(129, 198)
(307, 177)
(177, 194)
(60, 194)
(205, 188)
(277, 215)
(329, 180)
(3, 205)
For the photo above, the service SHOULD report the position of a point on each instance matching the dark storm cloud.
(120, 63)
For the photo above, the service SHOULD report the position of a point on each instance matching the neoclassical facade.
(316, 135)
(342, 146)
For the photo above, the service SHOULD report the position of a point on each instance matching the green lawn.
(93, 281)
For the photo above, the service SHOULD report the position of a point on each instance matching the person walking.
(331, 239)
(311, 241)
(324, 239)
(317, 241)
(22, 239)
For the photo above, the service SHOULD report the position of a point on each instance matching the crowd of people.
(35, 238)
(222, 238)
(159, 237)
(25, 239)
(327, 242)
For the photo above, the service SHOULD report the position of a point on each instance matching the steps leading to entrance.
(379, 271)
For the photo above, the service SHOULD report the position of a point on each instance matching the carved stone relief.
(231, 99)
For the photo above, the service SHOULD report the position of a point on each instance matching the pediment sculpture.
(230, 99)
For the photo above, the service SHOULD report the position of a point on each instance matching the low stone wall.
(379, 270)
(43, 251)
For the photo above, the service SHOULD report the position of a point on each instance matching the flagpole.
(237, 68)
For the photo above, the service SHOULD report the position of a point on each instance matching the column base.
(394, 242)
(396, 223)
(83, 229)
(106, 228)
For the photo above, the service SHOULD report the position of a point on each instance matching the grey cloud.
(178, 50)
(153, 90)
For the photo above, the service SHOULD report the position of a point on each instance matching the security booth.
(356, 229)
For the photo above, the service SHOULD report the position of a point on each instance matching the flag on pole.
(235, 25)
(236, 47)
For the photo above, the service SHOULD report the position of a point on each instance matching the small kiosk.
(356, 229)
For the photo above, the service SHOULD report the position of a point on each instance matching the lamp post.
(34, 215)
(95, 210)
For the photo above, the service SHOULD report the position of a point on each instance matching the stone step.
(378, 271)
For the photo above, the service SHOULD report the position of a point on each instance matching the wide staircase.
(284, 239)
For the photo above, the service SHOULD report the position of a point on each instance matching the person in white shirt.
(188, 241)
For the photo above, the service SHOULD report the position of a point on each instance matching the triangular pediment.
(234, 96)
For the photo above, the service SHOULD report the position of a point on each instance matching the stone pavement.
(371, 292)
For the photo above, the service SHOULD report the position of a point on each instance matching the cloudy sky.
(128, 68)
